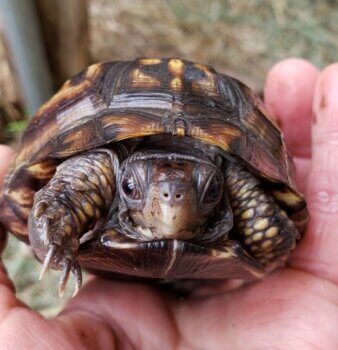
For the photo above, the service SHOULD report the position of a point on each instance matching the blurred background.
(44, 42)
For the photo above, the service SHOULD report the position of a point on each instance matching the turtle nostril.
(172, 192)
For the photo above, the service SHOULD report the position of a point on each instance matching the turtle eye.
(213, 192)
(129, 188)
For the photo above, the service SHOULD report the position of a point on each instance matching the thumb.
(6, 154)
(7, 297)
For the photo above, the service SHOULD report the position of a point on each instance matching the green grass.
(24, 270)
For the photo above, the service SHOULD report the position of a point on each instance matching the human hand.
(294, 308)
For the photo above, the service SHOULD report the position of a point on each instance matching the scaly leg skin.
(260, 225)
(77, 196)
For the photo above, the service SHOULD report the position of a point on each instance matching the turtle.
(156, 169)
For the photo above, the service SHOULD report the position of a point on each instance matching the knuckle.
(323, 200)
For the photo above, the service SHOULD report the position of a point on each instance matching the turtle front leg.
(264, 229)
(70, 205)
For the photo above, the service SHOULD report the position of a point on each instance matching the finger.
(7, 297)
(287, 310)
(6, 154)
(318, 251)
(288, 94)
(289, 90)
(137, 314)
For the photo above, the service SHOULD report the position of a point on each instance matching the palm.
(292, 308)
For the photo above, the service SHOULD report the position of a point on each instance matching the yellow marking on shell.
(176, 84)
(257, 236)
(93, 70)
(22, 196)
(208, 82)
(247, 214)
(131, 126)
(180, 131)
(175, 67)
(82, 107)
(217, 136)
(202, 68)
(140, 79)
(67, 92)
(271, 232)
(41, 170)
(261, 224)
(149, 61)
(286, 197)
(179, 128)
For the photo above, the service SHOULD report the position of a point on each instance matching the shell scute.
(114, 101)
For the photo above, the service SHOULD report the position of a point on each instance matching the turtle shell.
(114, 101)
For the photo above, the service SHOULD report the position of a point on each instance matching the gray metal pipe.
(20, 23)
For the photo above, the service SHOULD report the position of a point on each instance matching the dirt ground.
(239, 37)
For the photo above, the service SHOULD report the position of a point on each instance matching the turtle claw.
(76, 269)
(78, 277)
(48, 260)
(64, 277)
(67, 264)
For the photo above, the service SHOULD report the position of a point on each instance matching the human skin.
(293, 308)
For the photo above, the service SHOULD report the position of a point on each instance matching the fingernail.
(325, 104)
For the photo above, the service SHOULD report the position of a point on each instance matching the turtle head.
(168, 196)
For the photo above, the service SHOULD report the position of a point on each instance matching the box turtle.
(159, 169)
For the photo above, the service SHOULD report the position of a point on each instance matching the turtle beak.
(170, 211)
(176, 205)
(173, 194)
